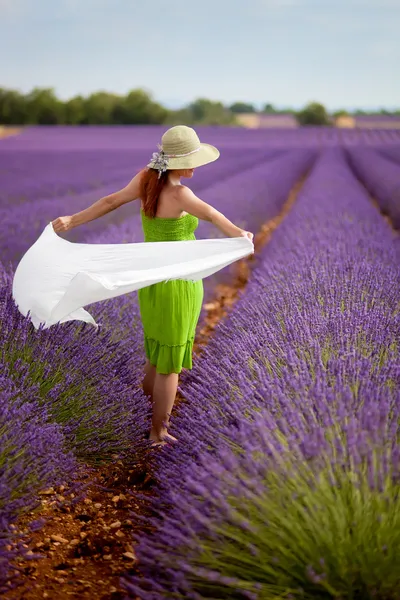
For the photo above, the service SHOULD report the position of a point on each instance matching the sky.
(343, 53)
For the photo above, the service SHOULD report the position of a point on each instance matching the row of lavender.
(381, 177)
(67, 395)
(53, 161)
(86, 384)
(284, 482)
(25, 221)
(147, 137)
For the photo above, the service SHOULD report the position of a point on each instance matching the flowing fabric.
(55, 279)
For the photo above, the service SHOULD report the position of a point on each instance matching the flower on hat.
(159, 161)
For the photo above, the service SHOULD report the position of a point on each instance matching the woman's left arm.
(100, 208)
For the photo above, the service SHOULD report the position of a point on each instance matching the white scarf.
(55, 279)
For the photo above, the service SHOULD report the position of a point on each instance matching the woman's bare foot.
(169, 438)
(158, 444)
(162, 438)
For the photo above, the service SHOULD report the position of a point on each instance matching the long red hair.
(151, 186)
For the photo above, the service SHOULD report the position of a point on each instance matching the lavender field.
(285, 479)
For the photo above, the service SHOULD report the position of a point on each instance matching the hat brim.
(205, 155)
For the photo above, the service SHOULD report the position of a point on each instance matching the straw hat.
(181, 149)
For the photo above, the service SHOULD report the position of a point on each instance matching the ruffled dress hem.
(169, 358)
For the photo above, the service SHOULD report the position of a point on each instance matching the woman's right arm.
(103, 206)
(190, 203)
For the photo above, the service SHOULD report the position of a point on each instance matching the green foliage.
(208, 112)
(99, 108)
(269, 109)
(313, 114)
(242, 107)
(75, 111)
(182, 115)
(76, 409)
(305, 537)
(341, 113)
(42, 107)
(202, 112)
(138, 107)
(13, 107)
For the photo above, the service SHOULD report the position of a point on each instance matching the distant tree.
(12, 107)
(313, 114)
(209, 112)
(44, 108)
(75, 111)
(182, 115)
(138, 108)
(242, 107)
(269, 109)
(99, 108)
(340, 113)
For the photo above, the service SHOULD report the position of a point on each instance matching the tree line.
(42, 107)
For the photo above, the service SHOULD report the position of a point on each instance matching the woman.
(169, 310)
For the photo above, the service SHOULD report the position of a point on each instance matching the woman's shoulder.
(175, 194)
(182, 191)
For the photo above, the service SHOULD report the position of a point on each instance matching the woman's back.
(167, 201)
(170, 223)
(169, 229)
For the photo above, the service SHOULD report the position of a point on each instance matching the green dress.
(170, 310)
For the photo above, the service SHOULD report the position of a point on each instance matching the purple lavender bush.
(252, 197)
(20, 227)
(31, 175)
(391, 152)
(84, 380)
(33, 455)
(284, 482)
(382, 179)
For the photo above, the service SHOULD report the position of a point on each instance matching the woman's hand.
(248, 234)
(62, 224)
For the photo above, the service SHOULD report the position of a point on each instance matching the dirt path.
(87, 546)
